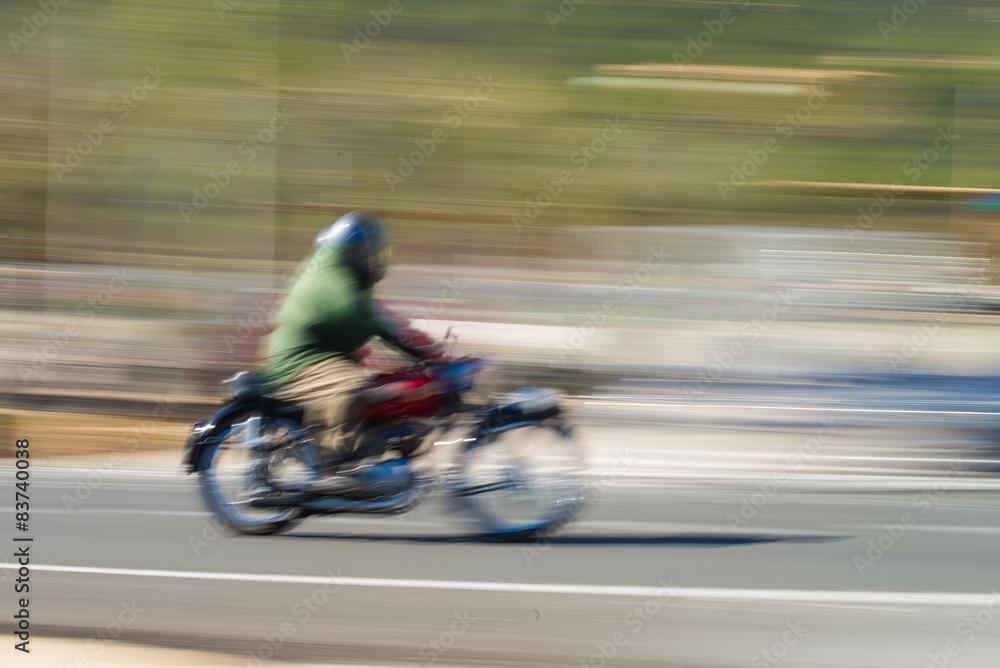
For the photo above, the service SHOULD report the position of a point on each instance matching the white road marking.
(788, 408)
(685, 593)
(113, 511)
(163, 472)
(648, 473)
(983, 530)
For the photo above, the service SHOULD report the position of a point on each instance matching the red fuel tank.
(409, 393)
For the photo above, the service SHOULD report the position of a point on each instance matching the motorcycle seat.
(243, 386)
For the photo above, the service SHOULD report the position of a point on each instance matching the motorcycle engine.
(402, 437)
(388, 477)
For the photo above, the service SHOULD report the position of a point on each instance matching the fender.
(205, 433)
(496, 421)
(527, 404)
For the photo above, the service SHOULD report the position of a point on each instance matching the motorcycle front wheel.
(519, 481)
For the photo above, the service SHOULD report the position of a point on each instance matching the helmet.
(362, 238)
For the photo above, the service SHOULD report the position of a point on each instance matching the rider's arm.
(398, 333)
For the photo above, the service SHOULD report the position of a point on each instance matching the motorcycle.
(514, 468)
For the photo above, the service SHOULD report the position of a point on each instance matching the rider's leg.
(327, 391)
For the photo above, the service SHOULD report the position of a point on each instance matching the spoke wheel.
(521, 480)
(256, 458)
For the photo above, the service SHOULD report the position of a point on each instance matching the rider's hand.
(362, 354)
(429, 349)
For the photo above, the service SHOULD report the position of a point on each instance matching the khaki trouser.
(327, 390)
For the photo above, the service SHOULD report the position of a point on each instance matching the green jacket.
(326, 314)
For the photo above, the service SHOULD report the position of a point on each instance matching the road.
(658, 572)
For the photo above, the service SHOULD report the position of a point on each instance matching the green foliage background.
(230, 65)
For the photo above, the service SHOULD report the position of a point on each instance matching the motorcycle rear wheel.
(246, 463)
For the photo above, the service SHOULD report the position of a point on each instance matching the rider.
(328, 316)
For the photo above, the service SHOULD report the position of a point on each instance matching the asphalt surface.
(658, 572)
